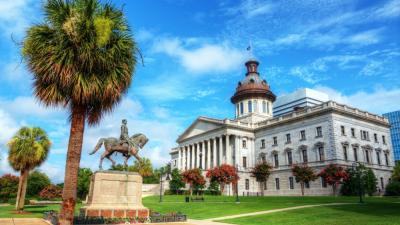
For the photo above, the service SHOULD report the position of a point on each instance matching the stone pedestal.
(115, 194)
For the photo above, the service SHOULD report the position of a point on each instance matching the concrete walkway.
(22, 221)
(272, 211)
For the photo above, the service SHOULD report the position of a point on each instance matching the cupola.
(253, 95)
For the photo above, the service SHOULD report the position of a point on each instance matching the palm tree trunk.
(23, 181)
(72, 165)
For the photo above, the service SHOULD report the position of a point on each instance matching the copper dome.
(252, 85)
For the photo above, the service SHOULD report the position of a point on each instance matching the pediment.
(199, 126)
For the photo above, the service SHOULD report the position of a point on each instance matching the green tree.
(396, 172)
(28, 149)
(176, 183)
(143, 167)
(213, 187)
(84, 176)
(361, 179)
(82, 56)
(8, 187)
(36, 182)
(261, 172)
(303, 174)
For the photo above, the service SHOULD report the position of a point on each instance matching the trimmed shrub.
(393, 188)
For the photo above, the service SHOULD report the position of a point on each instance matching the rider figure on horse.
(124, 137)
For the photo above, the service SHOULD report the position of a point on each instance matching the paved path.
(22, 221)
(272, 211)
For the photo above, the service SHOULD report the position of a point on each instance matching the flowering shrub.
(334, 175)
(50, 192)
(8, 187)
(194, 178)
(261, 172)
(303, 174)
(224, 174)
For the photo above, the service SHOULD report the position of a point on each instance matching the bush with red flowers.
(334, 175)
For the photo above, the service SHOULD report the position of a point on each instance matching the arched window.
(241, 108)
(237, 110)
(264, 107)
(249, 106)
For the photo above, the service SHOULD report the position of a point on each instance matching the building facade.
(318, 135)
(394, 120)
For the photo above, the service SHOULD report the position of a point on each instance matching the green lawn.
(380, 213)
(30, 211)
(222, 205)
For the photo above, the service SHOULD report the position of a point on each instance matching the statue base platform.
(115, 194)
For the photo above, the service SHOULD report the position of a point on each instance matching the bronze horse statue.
(112, 145)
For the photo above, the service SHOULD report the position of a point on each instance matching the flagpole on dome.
(250, 50)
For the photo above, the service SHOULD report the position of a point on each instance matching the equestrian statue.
(125, 145)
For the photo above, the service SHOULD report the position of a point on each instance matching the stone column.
(214, 152)
(205, 156)
(191, 156)
(179, 165)
(208, 154)
(220, 151)
(228, 151)
(185, 158)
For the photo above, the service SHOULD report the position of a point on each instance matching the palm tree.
(27, 149)
(82, 57)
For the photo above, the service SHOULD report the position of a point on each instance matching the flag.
(248, 48)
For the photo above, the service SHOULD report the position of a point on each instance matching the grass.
(373, 212)
(218, 206)
(30, 211)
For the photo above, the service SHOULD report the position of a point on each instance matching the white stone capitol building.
(321, 134)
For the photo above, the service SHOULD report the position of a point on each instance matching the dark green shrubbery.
(393, 188)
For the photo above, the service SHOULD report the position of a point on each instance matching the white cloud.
(378, 101)
(15, 16)
(250, 8)
(201, 58)
(22, 106)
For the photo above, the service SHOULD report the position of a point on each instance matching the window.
(382, 184)
(364, 135)
(304, 154)
(262, 143)
(302, 135)
(244, 162)
(384, 139)
(249, 106)
(319, 131)
(321, 153)
(323, 183)
(263, 159)
(288, 138)
(343, 131)
(289, 156)
(244, 144)
(376, 138)
(387, 159)
(277, 183)
(247, 184)
(241, 108)
(275, 140)
(307, 184)
(378, 157)
(367, 156)
(345, 152)
(264, 107)
(276, 160)
(353, 132)
(291, 183)
(355, 154)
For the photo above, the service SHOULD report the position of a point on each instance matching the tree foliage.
(82, 57)
(194, 178)
(28, 149)
(143, 167)
(261, 172)
(393, 188)
(51, 192)
(8, 187)
(303, 174)
(176, 183)
(36, 182)
(359, 179)
(396, 172)
(84, 175)
(334, 175)
(223, 174)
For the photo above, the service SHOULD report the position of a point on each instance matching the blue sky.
(193, 58)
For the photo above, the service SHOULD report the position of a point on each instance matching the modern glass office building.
(394, 120)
